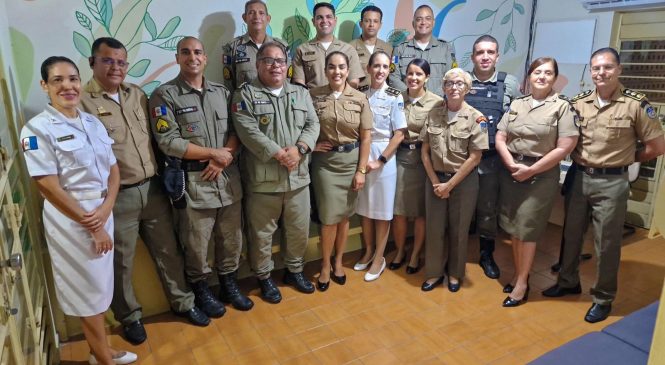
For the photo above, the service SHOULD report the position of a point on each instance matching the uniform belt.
(603, 170)
(129, 186)
(346, 147)
(193, 165)
(525, 158)
(489, 153)
(411, 145)
(444, 175)
(88, 194)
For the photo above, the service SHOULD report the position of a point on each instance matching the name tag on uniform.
(260, 102)
(185, 110)
(65, 138)
(102, 112)
(242, 60)
(310, 53)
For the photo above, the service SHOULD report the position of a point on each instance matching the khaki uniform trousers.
(447, 227)
(263, 211)
(220, 226)
(146, 211)
(604, 200)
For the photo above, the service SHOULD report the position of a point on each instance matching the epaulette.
(244, 83)
(520, 97)
(564, 97)
(633, 94)
(392, 91)
(363, 88)
(581, 95)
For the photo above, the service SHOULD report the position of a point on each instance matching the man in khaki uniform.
(438, 53)
(368, 43)
(239, 55)
(277, 124)
(310, 58)
(141, 205)
(190, 121)
(612, 120)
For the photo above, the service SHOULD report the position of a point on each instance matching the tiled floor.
(390, 321)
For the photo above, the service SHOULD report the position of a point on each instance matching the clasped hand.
(288, 157)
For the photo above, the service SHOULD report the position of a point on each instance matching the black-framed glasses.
(457, 84)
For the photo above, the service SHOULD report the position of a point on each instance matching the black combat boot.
(207, 302)
(230, 293)
(490, 268)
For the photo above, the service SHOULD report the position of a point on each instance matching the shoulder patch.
(633, 94)
(581, 95)
(392, 91)
(363, 88)
(29, 143)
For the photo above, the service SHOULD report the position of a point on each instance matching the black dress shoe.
(206, 301)
(269, 291)
(195, 316)
(454, 287)
(412, 270)
(490, 267)
(397, 265)
(229, 292)
(339, 280)
(508, 288)
(558, 291)
(598, 312)
(510, 302)
(298, 281)
(134, 332)
(322, 286)
(427, 286)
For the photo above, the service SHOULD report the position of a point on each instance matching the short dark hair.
(541, 61)
(373, 8)
(323, 5)
(109, 42)
(423, 7)
(250, 2)
(52, 61)
(419, 62)
(268, 45)
(337, 53)
(187, 38)
(609, 50)
(376, 53)
(485, 38)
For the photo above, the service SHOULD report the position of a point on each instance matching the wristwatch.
(362, 170)
(383, 159)
(302, 149)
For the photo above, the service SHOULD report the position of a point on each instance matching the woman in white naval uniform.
(68, 154)
(375, 202)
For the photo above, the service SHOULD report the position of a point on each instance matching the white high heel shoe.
(123, 357)
(371, 277)
(359, 266)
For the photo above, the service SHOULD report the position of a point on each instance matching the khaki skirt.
(525, 207)
(332, 178)
(411, 177)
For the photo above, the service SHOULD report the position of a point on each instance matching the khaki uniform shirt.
(309, 63)
(128, 125)
(181, 115)
(341, 119)
(609, 135)
(416, 114)
(451, 141)
(439, 54)
(364, 54)
(534, 131)
(266, 123)
(239, 58)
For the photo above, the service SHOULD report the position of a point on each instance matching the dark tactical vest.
(487, 97)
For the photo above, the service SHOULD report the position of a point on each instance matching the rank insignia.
(29, 143)
(102, 112)
(227, 73)
(162, 126)
(238, 107)
(241, 54)
(264, 120)
(159, 111)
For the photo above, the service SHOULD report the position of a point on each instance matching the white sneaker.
(122, 357)
(371, 277)
(359, 266)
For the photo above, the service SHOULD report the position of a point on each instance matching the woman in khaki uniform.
(454, 136)
(409, 197)
(339, 161)
(537, 133)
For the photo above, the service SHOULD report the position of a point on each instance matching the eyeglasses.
(457, 84)
(276, 61)
(598, 69)
(110, 62)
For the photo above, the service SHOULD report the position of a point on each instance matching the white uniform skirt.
(377, 198)
(83, 279)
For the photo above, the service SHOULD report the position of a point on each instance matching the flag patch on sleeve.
(159, 111)
(238, 107)
(29, 143)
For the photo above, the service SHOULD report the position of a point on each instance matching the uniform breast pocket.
(106, 151)
(438, 67)
(459, 140)
(221, 120)
(351, 113)
(309, 62)
(191, 130)
(543, 128)
(246, 72)
(381, 116)
(299, 114)
(114, 129)
(619, 127)
(403, 63)
(142, 121)
(74, 153)
(436, 138)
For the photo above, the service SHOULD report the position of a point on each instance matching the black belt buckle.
(589, 170)
(518, 156)
(444, 175)
(412, 146)
(341, 148)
